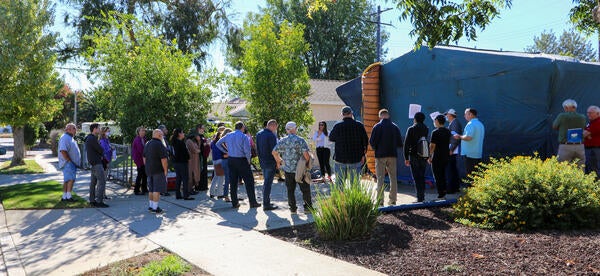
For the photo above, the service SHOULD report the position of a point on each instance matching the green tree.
(29, 82)
(342, 42)
(581, 16)
(86, 109)
(274, 78)
(193, 24)
(146, 81)
(443, 21)
(570, 44)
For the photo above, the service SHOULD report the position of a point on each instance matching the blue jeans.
(225, 164)
(346, 170)
(268, 174)
(592, 160)
(417, 169)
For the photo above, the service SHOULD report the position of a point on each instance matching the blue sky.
(513, 31)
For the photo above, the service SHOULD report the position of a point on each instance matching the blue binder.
(575, 135)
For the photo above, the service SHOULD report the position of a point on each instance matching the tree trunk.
(19, 146)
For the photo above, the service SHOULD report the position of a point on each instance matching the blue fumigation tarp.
(517, 95)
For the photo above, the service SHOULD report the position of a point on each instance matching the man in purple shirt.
(137, 152)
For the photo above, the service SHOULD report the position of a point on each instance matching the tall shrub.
(526, 193)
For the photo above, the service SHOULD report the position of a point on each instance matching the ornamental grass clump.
(348, 212)
(527, 193)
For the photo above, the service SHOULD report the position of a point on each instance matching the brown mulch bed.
(134, 265)
(428, 242)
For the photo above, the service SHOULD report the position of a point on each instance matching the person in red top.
(591, 141)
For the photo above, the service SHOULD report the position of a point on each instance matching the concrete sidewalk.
(206, 232)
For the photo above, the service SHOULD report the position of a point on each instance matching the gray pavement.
(206, 232)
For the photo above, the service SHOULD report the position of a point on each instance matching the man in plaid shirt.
(351, 141)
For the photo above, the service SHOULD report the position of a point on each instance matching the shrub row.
(527, 193)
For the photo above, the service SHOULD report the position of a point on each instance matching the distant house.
(235, 108)
(324, 102)
(326, 105)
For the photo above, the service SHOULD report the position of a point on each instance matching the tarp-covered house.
(517, 95)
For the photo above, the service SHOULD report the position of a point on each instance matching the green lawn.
(30, 167)
(38, 195)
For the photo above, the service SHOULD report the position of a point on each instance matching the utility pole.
(75, 110)
(378, 22)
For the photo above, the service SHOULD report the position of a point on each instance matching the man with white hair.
(155, 159)
(287, 153)
(69, 160)
(591, 141)
(570, 125)
(452, 172)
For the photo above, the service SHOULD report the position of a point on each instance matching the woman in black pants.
(321, 139)
(180, 162)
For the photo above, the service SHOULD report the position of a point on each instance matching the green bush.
(527, 193)
(170, 265)
(348, 212)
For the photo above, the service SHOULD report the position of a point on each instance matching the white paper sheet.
(413, 109)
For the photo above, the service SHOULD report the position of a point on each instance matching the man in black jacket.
(94, 156)
(417, 163)
(385, 141)
(351, 141)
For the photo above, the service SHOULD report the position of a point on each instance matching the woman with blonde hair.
(218, 180)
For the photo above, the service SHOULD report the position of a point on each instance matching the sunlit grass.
(30, 167)
(38, 195)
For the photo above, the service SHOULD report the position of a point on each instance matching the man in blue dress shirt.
(238, 150)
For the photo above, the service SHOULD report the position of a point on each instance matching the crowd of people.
(232, 151)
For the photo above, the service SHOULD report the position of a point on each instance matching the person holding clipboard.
(570, 125)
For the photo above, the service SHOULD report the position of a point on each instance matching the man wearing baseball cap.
(351, 141)
(452, 172)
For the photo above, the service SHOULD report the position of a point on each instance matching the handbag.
(219, 170)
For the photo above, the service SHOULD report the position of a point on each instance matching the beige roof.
(230, 108)
(323, 92)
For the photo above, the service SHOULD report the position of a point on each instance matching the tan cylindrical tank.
(371, 105)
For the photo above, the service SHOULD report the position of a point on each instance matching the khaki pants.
(568, 152)
(381, 165)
